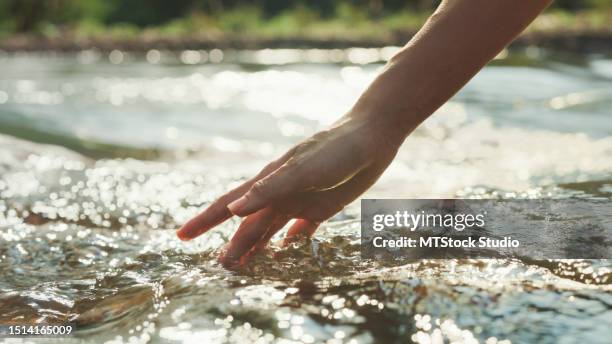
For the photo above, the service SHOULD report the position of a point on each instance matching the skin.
(320, 176)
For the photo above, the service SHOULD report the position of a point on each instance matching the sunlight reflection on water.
(92, 240)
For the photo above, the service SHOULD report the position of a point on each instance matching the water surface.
(103, 156)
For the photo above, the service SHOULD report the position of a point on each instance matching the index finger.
(218, 212)
(215, 214)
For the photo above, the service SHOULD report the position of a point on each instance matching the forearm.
(454, 44)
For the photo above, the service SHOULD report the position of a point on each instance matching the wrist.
(380, 130)
(398, 99)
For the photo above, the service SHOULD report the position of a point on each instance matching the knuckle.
(260, 188)
(223, 200)
(292, 164)
(269, 167)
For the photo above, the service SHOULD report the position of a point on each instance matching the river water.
(103, 156)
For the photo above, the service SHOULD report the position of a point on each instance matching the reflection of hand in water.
(318, 177)
(311, 182)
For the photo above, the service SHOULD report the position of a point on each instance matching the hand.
(318, 177)
(311, 182)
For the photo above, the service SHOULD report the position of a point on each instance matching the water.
(102, 158)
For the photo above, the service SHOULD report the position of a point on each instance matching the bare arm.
(455, 43)
(318, 177)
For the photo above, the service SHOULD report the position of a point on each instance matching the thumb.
(276, 185)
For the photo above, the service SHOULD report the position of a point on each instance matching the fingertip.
(189, 230)
(229, 264)
(198, 225)
(181, 234)
(226, 260)
(302, 227)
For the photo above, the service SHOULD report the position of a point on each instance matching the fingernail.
(237, 205)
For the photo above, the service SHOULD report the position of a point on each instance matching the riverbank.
(579, 41)
(586, 31)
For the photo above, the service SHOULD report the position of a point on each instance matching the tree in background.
(29, 15)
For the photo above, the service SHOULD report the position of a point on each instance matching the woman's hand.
(318, 177)
(311, 182)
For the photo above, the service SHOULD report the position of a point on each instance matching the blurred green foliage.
(274, 17)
